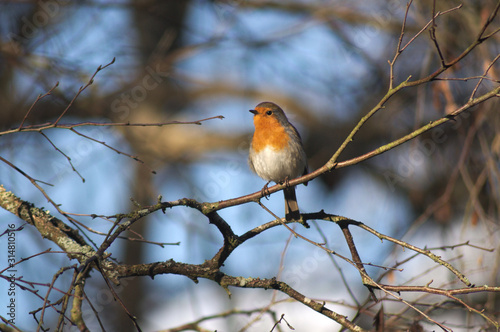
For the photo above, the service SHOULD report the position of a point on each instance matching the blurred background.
(326, 64)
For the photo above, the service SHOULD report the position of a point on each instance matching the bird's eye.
(269, 112)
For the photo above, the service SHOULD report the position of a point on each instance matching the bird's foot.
(265, 190)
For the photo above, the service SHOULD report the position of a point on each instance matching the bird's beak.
(253, 111)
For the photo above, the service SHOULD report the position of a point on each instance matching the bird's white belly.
(273, 165)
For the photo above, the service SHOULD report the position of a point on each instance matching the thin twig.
(65, 155)
(432, 33)
(81, 89)
(50, 125)
(483, 77)
(40, 96)
(399, 50)
(115, 150)
(427, 253)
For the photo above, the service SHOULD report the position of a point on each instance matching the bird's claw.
(265, 191)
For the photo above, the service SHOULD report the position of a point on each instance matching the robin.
(277, 153)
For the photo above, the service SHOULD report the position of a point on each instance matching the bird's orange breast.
(268, 133)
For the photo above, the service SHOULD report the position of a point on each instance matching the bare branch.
(82, 88)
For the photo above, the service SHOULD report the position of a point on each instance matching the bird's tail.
(291, 207)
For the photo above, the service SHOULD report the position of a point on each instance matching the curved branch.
(199, 271)
(346, 221)
(67, 238)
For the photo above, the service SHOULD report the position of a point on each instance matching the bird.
(277, 153)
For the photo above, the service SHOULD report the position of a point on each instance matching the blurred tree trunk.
(155, 21)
